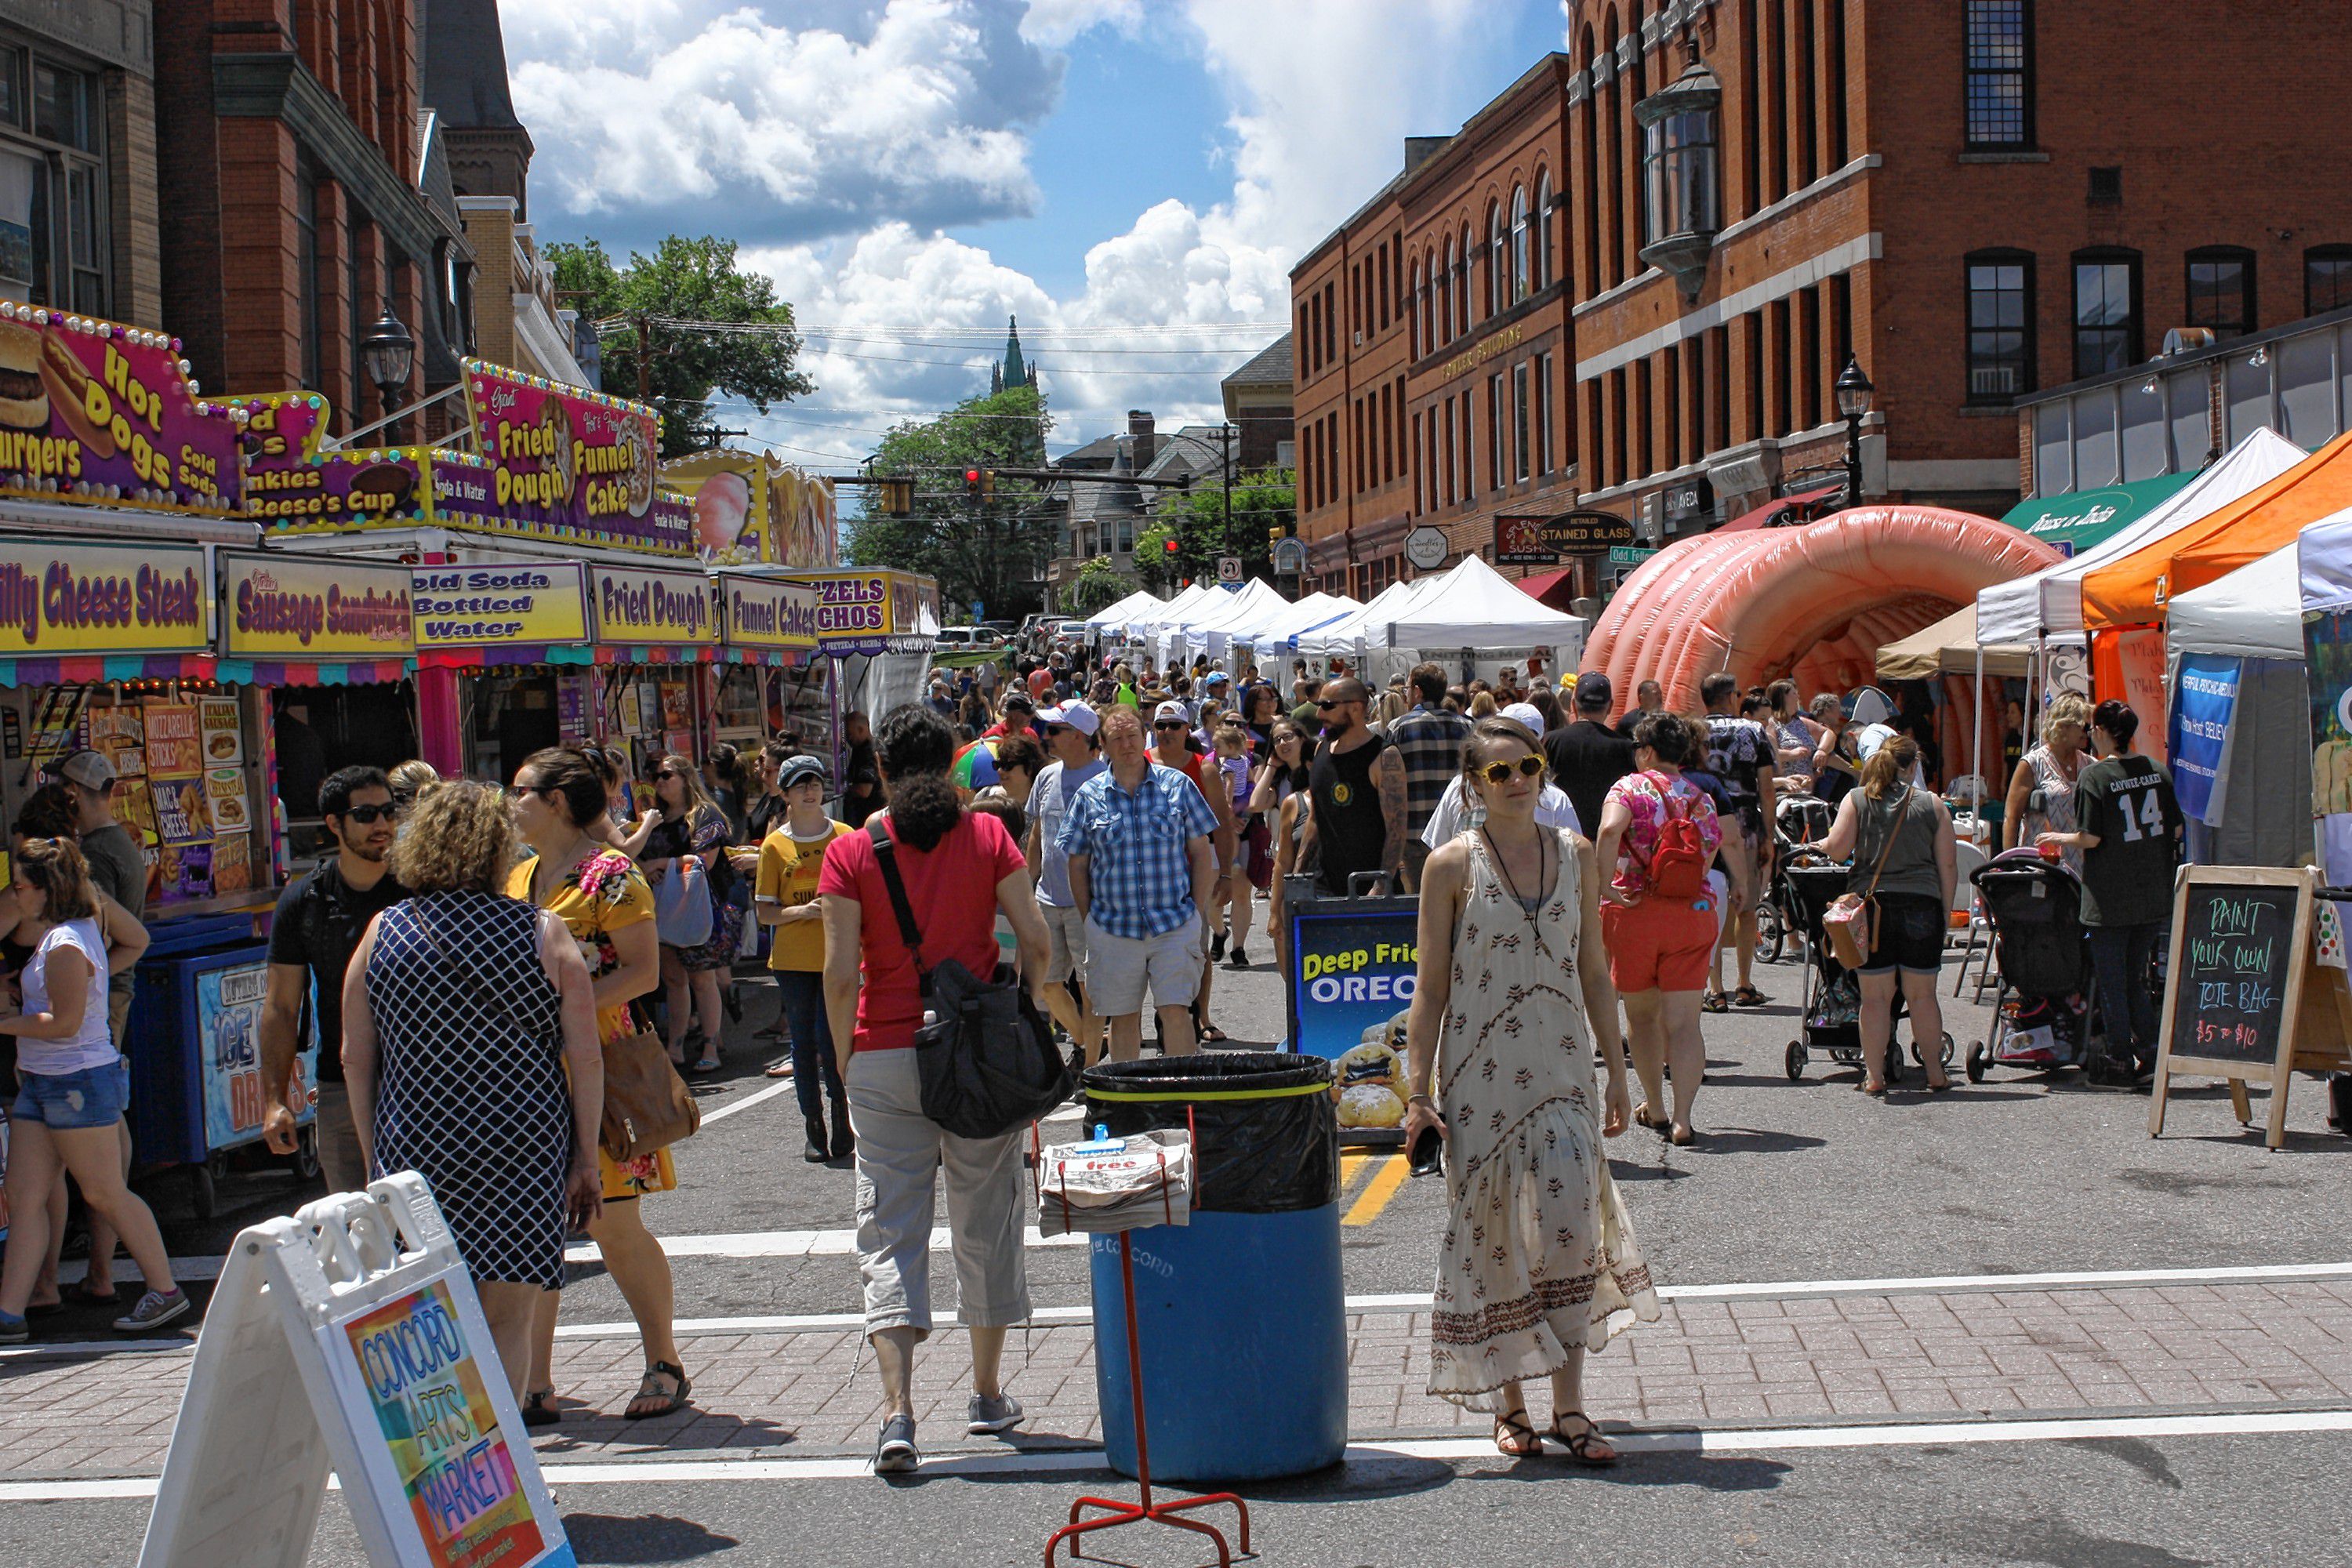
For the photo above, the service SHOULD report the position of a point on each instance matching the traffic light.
(971, 477)
(1169, 544)
(898, 497)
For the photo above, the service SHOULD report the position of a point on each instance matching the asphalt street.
(1792, 1183)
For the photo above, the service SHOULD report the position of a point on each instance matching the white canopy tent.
(1274, 640)
(1476, 606)
(1348, 636)
(1141, 602)
(2256, 611)
(2048, 604)
(1250, 607)
(1152, 617)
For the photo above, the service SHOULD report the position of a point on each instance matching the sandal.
(1580, 1446)
(1211, 1035)
(705, 1067)
(1682, 1137)
(1714, 1002)
(1749, 996)
(536, 1410)
(79, 1294)
(781, 1068)
(1642, 1118)
(649, 1387)
(1512, 1429)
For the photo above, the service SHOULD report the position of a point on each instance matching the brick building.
(306, 187)
(78, 201)
(1975, 199)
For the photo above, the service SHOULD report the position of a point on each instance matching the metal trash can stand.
(1242, 1312)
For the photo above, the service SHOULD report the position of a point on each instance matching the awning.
(1545, 583)
(1762, 516)
(1948, 647)
(2080, 519)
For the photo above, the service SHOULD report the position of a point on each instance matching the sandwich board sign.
(348, 1337)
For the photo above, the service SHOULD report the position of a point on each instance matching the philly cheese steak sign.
(67, 599)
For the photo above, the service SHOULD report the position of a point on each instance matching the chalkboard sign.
(2236, 970)
(2249, 996)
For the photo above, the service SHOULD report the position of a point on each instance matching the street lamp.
(1853, 389)
(387, 353)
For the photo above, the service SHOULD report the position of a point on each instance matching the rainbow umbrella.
(975, 765)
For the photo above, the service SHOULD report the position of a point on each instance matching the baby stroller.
(1800, 821)
(2043, 1015)
(1832, 1008)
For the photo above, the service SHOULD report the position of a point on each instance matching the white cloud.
(839, 146)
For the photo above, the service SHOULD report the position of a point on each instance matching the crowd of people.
(466, 957)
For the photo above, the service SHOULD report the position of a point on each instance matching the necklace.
(1503, 870)
(581, 849)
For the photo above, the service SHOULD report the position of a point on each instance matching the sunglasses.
(1525, 767)
(1053, 730)
(669, 774)
(1328, 706)
(1171, 724)
(364, 814)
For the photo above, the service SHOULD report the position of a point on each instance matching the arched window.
(1416, 307)
(1429, 325)
(1541, 265)
(1445, 297)
(1498, 259)
(1461, 285)
(1521, 284)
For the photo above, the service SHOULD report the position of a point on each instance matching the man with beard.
(320, 919)
(1357, 782)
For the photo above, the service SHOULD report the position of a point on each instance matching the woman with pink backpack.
(1659, 915)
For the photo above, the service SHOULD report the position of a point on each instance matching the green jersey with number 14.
(2127, 800)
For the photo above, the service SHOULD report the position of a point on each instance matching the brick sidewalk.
(1797, 1360)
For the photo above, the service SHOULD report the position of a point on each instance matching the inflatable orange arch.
(1815, 601)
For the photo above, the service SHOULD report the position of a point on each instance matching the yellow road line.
(1379, 1191)
(1354, 1163)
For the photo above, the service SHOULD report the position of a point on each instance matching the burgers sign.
(91, 410)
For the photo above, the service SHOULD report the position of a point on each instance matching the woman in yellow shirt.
(785, 892)
(559, 806)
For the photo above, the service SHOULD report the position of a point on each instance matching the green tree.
(992, 550)
(1098, 586)
(685, 280)
(1265, 507)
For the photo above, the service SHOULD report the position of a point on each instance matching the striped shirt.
(1429, 740)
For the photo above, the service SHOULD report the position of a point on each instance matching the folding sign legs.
(1144, 1510)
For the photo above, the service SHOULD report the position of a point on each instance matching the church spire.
(1015, 372)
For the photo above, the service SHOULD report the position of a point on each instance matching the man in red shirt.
(1019, 712)
(1171, 747)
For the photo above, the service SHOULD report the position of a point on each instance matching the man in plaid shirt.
(1429, 741)
(1141, 872)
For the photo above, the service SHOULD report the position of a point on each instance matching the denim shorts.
(94, 1096)
(1911, 928)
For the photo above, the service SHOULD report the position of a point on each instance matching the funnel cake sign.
(94, 411)
(564, 460)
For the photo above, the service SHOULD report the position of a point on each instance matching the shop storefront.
(877, 629)
(771, 681)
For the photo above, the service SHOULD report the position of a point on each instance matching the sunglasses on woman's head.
(1526, 766)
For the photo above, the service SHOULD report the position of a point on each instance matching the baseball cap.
(1075, 713)
(1593, 691)
(1020, 700)
(87, 768)
(1217, 678)
(794, 769)
(1171, 709)
(1527, 713)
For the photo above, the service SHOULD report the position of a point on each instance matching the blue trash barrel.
(1242, 1315)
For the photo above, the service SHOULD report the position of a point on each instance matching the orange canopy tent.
(2134, 590)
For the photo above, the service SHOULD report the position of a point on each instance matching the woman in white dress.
(1539, 1262)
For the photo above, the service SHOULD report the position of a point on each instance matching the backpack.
(1737, 773)
(1678, 861)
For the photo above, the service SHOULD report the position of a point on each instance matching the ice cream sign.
(645, 606)
(91, 410)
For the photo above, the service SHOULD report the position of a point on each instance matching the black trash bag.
(1273, 1154)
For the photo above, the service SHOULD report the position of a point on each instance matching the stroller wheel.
(1771, 933)
(1945, 1058)
(1979, 1060)
(1794, 1058)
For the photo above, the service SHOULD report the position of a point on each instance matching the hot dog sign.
(92, 410)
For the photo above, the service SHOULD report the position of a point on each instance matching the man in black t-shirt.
(2128, 828)
(1589, 755)
(321, 919)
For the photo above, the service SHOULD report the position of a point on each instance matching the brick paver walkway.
(2169, 1349)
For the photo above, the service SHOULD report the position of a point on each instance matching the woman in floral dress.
(1540, 1263)
(559, 805)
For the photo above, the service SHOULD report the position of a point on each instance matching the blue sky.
(1131, 177)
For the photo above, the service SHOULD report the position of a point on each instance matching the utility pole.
(645, 357)
(1225, 434)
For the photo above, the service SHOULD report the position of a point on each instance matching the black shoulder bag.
(984, 1052)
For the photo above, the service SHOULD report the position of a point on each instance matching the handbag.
(682, 903)
(647, 1107)
(1851, 925)
(984, 1055)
